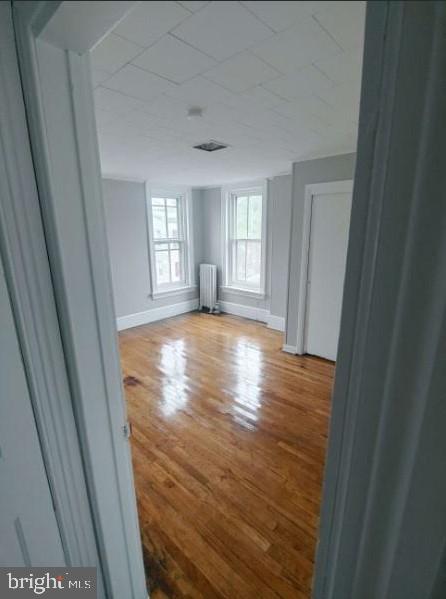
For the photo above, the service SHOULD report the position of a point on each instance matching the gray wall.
(279, 192)
(278, 225)
(322, 170)
(125, 215)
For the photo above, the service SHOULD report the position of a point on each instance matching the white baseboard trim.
(251, 312)
(276, 322)
(135, 320)
(290, 349)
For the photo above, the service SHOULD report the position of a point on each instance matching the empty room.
(222, 299)
(227, 135)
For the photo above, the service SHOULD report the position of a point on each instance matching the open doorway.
(376, 483)
(216, 122)
(208, 144)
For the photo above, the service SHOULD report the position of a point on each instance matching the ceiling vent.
(211, 146)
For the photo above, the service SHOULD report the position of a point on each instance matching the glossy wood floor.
(229, 436)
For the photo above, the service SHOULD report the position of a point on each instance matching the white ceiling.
(277, 81)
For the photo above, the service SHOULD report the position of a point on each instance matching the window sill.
(173, 291)
(244, 292)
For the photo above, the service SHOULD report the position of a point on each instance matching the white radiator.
(208, 286)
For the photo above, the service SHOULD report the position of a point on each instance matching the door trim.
(59, 101)
(25, 259)
(311, 190)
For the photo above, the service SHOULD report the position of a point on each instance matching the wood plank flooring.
(229, 437)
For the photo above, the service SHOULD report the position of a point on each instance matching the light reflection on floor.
(247, 393)
(173, 366)
(247, 373)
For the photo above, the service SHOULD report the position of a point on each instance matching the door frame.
(345, 186)
(67, 225)
(25, 259)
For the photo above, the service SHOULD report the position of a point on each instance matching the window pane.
(241, 215)
(255, 217)
(253, 261)
(175, 266)
(159, 222)
(162, 267)
(157, 201)
(240, 260)
(171, 202)
(174, 246)
(172, 221)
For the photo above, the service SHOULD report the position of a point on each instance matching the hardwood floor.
(229, 437)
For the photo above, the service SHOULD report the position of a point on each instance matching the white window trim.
(227, 193)
(186, 215)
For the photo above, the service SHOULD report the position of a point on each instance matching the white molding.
(276, 322)
(289, 349)
(58, 93)
(259, 295)
(250, 312)
(24, 253)
(174, 291)
(140, 318)
(310, 191)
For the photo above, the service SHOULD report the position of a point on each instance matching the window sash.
(165, 205)
(169, 244)
(236, 241)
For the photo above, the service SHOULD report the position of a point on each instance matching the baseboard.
(250, 312)
(276, 322)
(135, 320)
(290, 349)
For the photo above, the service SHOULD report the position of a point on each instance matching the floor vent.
(211, 146)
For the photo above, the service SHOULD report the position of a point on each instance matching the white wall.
(124, 203)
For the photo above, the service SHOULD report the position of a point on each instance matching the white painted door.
(29, 534)
(330, 221)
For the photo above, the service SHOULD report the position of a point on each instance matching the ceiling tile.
(149, 21)
(344, 97)
(173, 59)
(202, 92)
(345, 23)
(302, 83)
(103, 117)
(222, 29)
(138, 83)
(241, 72)
(261, 95)
(107, 99)
(113, 53)
(98, 76)
(297, 47)
(301, 110)
(308, 108)
(194, 6)
(342, 68)
(277, 15)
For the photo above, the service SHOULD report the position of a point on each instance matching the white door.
(29, 534)
(329, 227)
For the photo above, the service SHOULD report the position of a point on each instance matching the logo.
(22, 583)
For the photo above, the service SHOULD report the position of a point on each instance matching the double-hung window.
(245, 239)
(170, 250)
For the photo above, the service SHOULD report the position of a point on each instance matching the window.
(245, 239)
(169, 242)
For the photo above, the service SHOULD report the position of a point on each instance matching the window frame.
(229, 195)
(184, 239)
